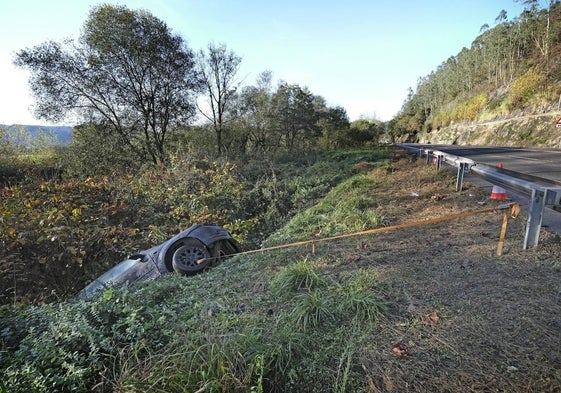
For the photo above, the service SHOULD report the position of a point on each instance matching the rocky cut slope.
(520, 130)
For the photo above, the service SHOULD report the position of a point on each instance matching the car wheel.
(191, 257)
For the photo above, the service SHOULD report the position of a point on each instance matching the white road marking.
(523, 158)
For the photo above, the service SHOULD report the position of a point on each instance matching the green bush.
(94, 151)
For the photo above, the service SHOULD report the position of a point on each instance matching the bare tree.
(218, 68)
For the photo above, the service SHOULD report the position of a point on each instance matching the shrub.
(94, 151)
(67, 347)
(470, 109)
(55, 234)
(526, 86)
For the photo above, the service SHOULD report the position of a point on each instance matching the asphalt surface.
(536, 162)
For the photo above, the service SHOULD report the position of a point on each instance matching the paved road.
(536, 162)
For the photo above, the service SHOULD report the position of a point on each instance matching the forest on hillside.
(514, 65)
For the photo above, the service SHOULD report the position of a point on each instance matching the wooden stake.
(503, 234)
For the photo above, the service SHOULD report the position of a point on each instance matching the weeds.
(311, 309)
(344, 369)
(349, 207)
(361, 301)
(297, 277)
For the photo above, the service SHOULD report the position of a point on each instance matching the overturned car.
(188, 252)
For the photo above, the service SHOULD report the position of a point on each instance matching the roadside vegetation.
(428, 308)
(59, 234)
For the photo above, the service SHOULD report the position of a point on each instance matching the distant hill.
(62, 134)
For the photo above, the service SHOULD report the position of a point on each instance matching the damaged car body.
(188, 252)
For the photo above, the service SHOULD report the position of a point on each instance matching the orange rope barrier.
(514, 206)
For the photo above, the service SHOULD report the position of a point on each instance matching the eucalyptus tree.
(218, 69)
(127, 71)
(496, 58)
(538, 24)
(502, 43)
(410, 118)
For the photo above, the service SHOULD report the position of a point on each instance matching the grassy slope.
(430, 308)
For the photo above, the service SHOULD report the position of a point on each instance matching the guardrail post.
(460, 176)
(543, 191)
(535, 215)
(438, 162)
(428, 152)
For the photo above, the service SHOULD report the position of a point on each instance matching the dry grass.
(462, 318)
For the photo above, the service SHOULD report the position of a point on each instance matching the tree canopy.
(127, 71)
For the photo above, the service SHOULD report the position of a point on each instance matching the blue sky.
(362, 55)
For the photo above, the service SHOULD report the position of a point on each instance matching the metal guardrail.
(542, 192)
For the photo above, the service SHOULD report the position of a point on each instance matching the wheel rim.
(189, 257)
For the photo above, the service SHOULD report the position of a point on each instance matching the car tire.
(191, 257)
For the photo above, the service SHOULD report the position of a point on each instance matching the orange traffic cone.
(498, 193)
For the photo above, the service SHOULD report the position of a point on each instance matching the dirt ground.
(462, 318)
